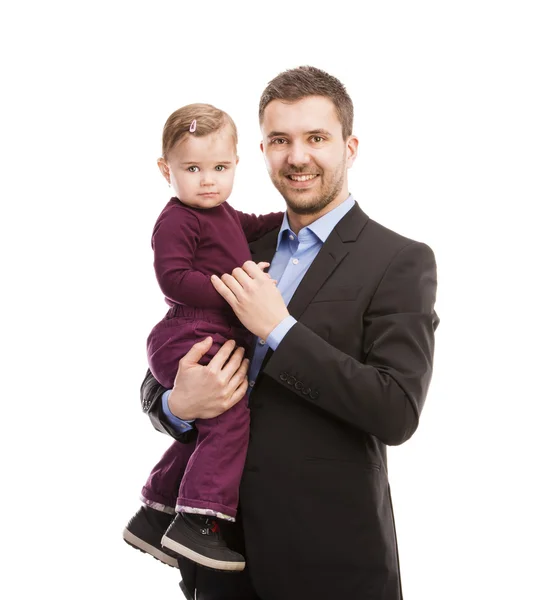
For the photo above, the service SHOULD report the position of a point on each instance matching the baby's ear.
(164, 168)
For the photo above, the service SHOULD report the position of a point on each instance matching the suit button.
(299, 385)
(314, 395)
(284, 376)
(291, 380)
(306, 391)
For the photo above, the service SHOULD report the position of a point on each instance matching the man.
(340, 370)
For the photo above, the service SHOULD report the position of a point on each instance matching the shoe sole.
(210, 563)
(143, 546)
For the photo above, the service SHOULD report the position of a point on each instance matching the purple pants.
(204, 478)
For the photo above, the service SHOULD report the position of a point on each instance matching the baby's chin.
(204, 203)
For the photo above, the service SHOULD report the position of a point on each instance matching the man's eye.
(317, 139)
(193, 169)
(220, 168)
(278, 141)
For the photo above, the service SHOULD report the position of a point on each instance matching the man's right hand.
(203, 392)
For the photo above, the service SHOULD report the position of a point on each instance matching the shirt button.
(295, 261)
(252, 383)
(291, 237)
(262, 342)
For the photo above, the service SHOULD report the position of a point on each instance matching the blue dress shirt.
(293, 256)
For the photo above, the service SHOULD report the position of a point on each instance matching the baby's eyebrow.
(215, 162)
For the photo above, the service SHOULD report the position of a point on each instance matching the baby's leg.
(162, 488)
(210, 485)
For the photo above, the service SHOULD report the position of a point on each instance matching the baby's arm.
(257, 226)
(175, 239)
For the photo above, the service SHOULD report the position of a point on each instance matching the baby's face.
(201, 169)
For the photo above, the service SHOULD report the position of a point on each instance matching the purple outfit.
(189, 246)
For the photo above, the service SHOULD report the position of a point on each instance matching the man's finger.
(263, 265)
(253, 270)
(222, 288)
(233, 364)
(242, 277)
(235, 287)
(217, 362)
(195, 353)
(239, 393)
(238, 374)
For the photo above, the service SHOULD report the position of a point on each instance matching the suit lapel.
(332, 253)
(330, 256)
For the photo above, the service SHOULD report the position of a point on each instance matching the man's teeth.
(302, 177)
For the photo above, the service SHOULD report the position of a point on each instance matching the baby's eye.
(220, 168)
(193, 169)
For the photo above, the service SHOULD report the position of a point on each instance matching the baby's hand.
(263, 266)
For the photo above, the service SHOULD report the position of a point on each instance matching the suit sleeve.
(255, 226)
(174, 241)
(383, 394)
(151, 392)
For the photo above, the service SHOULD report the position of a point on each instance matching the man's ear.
(352, 145)
(261, 146)
(164, 168)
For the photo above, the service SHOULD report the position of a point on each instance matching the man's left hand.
(253, 297)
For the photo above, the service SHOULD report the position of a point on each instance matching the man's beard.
(313, 205)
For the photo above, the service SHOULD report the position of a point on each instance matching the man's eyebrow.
(319, 132)
(312, 132)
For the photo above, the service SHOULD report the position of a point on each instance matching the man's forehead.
(302, 116)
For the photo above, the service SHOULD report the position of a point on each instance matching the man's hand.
(203, 392)
(253, 297)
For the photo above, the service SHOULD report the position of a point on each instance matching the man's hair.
(208, 120)
(295, 84)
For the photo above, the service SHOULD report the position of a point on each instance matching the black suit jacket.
(347, 380)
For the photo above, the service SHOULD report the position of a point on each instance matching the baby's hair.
(208, 120)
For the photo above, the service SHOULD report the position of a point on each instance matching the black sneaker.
(198, 538)
(145, 530)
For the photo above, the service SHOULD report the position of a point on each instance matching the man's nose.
(298, 155)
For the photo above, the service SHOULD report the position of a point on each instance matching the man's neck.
(298, 222)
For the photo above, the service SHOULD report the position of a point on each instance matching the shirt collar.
(324, 225)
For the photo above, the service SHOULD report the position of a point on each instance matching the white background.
(453, 106)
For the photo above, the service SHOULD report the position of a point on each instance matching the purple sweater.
(191, 244)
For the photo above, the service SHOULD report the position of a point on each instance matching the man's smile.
(301, 180)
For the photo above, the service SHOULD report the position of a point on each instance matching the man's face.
(306, 155)
(201, 169)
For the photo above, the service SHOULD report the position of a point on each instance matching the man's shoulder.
(375, 232)
(384, 232)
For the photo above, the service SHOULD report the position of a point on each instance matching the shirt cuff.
(277, 335)
(178, 424)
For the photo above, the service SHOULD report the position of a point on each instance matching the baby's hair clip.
(193, 126)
